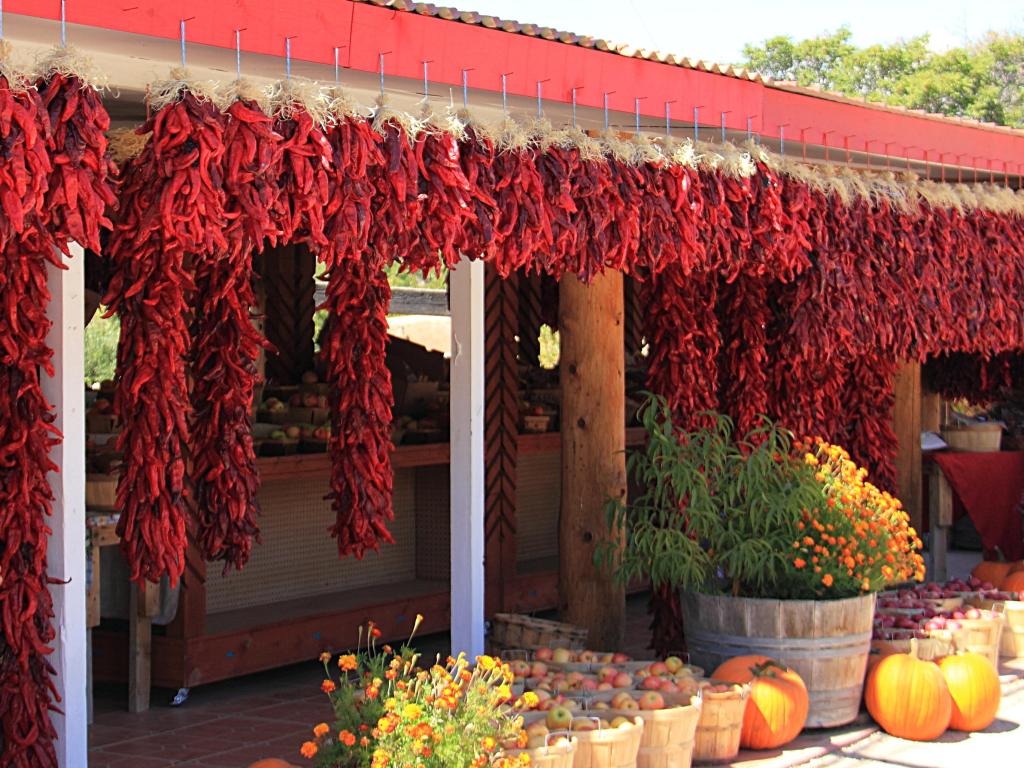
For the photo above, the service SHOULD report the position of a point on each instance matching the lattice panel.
(539, 496)
(290, 303)
(433, 523)
(501, 427)
(298, 557)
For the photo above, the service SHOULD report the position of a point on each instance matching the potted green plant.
(776, 547)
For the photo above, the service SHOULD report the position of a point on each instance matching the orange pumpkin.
(739, 669)
(1013, 583)
(777, 709)
(991, 571)
(1017, 566)
(909, 697)
(974, 686)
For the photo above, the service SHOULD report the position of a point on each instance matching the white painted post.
(467, 458)
(66, 553)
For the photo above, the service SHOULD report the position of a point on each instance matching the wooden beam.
(907, 426)
(590, 320)
(144, 604)
(66, 545)
(406, 301)
(940, 519)
(931, 411)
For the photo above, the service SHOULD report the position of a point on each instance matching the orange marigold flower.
(808, 541)
(800, 562)
(325, 657)
(827, 579)
(309, 750)
(328, 686)
(320, 729)
(348, 663)
(347, 738)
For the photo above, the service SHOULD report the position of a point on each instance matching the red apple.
(652, 700)
(622, 680)
(543, 654)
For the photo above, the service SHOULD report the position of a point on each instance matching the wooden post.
(931, 411)
(907, 426)
(590, 320)
(66, 546)
(467, 458)
(940, 515)
(143, 605)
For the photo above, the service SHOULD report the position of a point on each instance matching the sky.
(717, 31)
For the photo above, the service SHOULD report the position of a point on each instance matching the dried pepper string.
(522, 222)
(445, 194)
(226, 344)
(27, 254)
(172, 206)
(354, 344)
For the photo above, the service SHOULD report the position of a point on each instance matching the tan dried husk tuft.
(17, 81)
(246, 90)
(124, 144)
(681, 153)
(482, 129)
(164, 92)
(512, 136)
(384, 113)
(289, 97)
(71, 62)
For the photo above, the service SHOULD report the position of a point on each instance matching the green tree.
(983, 80)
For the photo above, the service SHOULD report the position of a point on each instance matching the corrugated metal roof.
(660, 57)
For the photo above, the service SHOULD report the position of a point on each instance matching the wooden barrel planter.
(826, 641)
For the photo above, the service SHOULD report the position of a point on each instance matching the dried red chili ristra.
(522, 224)
(396, 204)
(870, 399)
(172, 205)
(743, 316)
(302, 177)
(684, 194)
(226, 345)
(80, 186)
(558, 166)
(354, 349)
(27, 254)
(481, 238)
(623, 231)
(27, 691)
(733, 239)
(354, 345)
(445, 195)
(598, 204)
(715, 222)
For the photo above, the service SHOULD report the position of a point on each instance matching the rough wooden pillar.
(501, 429)
(288, 283)
(931, 411)
(590, 320)
(907, 426)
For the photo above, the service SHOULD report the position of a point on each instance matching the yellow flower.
(348, 662)
(412, 711)
(486, 663)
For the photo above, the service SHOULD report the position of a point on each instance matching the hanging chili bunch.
(397, 208)
(522, 224)
(354, 343)
(629, 187)
(80, 189)
(598, 206)
(869, 401)
(226, 344)
(444, 190)
(172, 205)
(558, 166)
(27, 692)
(743, 316)
(481, 238)
(305, 162)
(680, 184)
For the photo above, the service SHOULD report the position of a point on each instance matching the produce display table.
(990, 486)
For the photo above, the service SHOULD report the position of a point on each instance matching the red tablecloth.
(990, 485)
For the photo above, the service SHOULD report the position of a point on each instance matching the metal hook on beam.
(540, 97)
(696, 122)
(465, 87)
(238, 52)
(64, 25)
(668, 118)
(288, 56)
(824, 143)
(504, 91)
(572, 91)
(380, 68)
(606, 95)
(636, 112)
(726, 112)
(182, 34)
(782, 138)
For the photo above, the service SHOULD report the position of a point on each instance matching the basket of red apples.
(1011, 643)
(670, 723)
(601, 742)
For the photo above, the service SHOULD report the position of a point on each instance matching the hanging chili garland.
(226, 344)
(172, 205)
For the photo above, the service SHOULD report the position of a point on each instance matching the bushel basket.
(516, 631)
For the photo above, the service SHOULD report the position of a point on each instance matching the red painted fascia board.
(364, 31)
